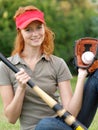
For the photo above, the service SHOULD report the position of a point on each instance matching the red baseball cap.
(27, 17)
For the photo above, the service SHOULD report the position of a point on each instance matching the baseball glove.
(83, 45)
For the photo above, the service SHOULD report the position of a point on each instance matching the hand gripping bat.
(61, 112)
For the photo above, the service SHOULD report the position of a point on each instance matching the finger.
(21, 71)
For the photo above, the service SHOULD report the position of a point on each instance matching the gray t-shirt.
(47, 73)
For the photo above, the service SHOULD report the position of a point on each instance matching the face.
(34, 34)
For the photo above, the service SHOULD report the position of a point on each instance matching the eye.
(39, 27)
(28, 29)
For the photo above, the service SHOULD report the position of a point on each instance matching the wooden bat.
(61, 112)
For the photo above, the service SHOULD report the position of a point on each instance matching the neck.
(32, 53)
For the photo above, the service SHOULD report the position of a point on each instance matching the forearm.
(13, 110)
(76, 101)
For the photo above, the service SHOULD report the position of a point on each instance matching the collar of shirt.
(17, 59)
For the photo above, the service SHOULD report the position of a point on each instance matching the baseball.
(87, 57)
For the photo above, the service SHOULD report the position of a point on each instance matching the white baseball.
(87, 57)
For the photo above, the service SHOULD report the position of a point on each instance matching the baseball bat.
(61, 112)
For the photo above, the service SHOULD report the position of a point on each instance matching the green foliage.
(68, 24)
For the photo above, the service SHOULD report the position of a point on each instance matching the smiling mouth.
(34, 39)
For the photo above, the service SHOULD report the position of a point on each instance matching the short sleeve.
(4, 74)
(63, 72)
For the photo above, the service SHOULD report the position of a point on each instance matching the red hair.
(47, 46)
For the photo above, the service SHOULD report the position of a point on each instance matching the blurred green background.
(69, 19)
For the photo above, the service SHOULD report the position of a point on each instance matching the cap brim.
(26, 23)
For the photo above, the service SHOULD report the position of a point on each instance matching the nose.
(34, 32)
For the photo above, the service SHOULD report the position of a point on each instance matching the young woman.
(33, 55)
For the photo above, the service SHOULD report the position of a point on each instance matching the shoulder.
(56, 59)
(61, 68)
(12, 59)
(57, 62)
